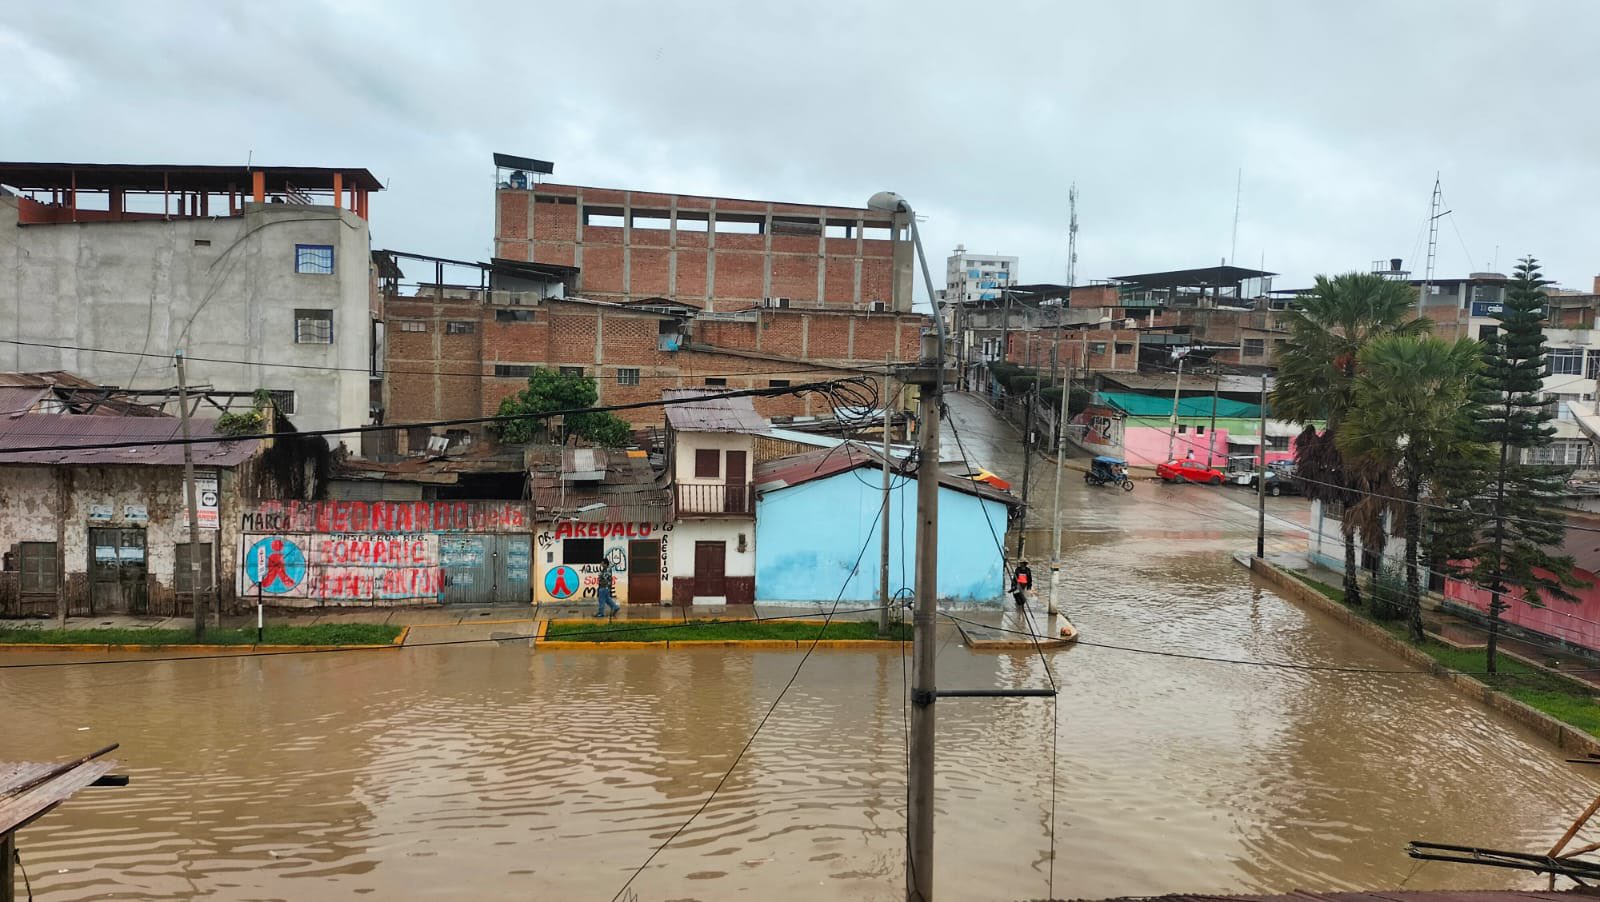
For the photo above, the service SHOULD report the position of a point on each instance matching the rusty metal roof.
(46, 439)
(787, 472)
(712, 414)
(628, 490)
(16, 400)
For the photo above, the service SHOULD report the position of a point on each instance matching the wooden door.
(738, 487)
(644, 572)
(710, 569)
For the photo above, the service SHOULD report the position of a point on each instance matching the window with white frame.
(1566, 361)
(628, 375)
(412, 325)
(1565, 452)
(313, 327)
(314, 259)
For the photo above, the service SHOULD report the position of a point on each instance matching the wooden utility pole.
(919, 776)
(884, 598)
(1261, 478)
(196, 597)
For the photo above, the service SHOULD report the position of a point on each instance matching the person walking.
(1021, 582)
(603, 593)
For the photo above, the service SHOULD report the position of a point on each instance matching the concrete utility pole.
(1261, 478)
(1216, 386)
(919, 814)
(1052, 607)
(883, 565)
(1177, 389)
(196, 596)
(1027, 462)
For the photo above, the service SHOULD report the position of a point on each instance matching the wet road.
(498, 772)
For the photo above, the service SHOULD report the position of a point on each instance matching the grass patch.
(317, 634)
(1567, 700)
(700, 630)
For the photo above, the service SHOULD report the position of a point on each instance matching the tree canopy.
(549, 391)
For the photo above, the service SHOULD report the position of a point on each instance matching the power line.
(857, 391)
(800, 366)
(843, 587)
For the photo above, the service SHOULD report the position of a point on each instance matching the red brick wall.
(430, 373)
(743, 270)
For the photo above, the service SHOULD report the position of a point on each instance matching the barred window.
(628, 375)
(518, 370)
(314, 259)
(313, 327)
(182, 575)
(412, 325)
(460, 327)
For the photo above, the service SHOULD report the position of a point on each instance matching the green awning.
(1137, 405)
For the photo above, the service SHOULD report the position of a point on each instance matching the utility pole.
(196, 596)
(1172, 433)
(1027, 462)
(919, 776)
(883, 565)
(1055, 524)
(1261, 478)
(1216, 386)
(1005, 326)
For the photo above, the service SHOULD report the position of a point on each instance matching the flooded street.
(496, 771)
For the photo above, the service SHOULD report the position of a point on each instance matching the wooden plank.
(19, 810)
(16, 774)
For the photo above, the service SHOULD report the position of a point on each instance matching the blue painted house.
(815, 512)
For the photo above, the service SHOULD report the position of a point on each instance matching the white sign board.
(207, 501)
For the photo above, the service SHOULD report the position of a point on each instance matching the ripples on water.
(499, 772)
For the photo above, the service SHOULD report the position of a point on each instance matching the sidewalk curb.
(1564, 735)
(575, 645)
(190, 647)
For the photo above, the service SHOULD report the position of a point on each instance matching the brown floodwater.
(496, 771)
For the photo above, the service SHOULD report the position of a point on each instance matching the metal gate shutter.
(468, 564)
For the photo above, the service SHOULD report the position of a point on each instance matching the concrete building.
(712, 253)
(817, 511)
(105, 530)
(977, 277)
(600, 509)
(261, 276)
(711, 462)
(456, 350)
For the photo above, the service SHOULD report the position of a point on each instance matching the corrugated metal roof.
(18, 400)
(73, 440)
(787, 472)
(1137, 405)
(712, 414)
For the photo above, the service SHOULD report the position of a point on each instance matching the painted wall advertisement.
(573, 555)
(341, 566)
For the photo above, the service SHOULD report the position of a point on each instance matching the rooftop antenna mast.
(1238, 193)
(1433, 239)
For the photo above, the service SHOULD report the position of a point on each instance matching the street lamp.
(890, 202)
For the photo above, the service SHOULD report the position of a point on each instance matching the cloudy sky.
(982, 114)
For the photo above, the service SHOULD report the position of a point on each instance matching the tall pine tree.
(1520, 531)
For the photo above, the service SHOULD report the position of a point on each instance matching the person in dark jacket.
(603, 594)
(1021, 582)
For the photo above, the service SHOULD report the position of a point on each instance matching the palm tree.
(1409, 418)
(1316, 381)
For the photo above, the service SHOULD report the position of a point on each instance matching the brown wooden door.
(710, 569)
(644, 572)
(734, 499)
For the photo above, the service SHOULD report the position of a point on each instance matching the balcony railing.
(716, 500)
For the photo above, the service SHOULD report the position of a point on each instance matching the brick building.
(456, 352)
(713, 253)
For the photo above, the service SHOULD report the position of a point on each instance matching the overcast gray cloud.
(981, 113)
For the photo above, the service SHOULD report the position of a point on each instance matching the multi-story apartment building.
(260, 275)
(977, 277)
